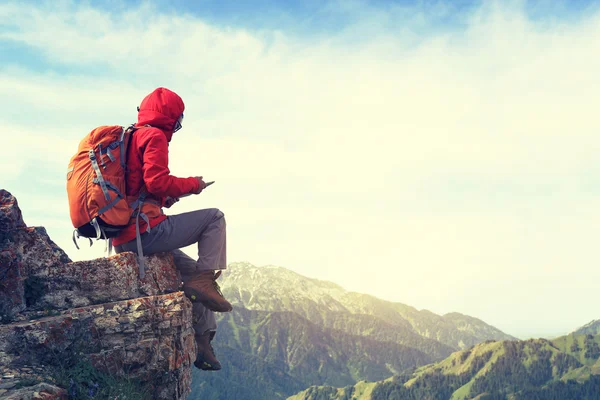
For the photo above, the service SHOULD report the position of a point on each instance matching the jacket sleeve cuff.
(195, 184)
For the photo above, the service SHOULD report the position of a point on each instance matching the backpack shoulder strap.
(124, 143)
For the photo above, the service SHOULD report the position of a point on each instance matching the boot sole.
(195, 297)
(207, 368)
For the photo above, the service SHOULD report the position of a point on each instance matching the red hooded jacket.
(148, 159)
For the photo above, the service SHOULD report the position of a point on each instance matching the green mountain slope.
(288, 332)
(377, 329)
(592, 328)
(565, 368)
(276, 354)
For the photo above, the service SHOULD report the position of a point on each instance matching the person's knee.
(218, 214)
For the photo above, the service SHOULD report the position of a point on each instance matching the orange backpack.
(96, 188)
(96, 183)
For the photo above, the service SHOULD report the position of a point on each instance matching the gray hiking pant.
(205, 227)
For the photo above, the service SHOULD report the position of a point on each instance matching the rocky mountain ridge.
(288, 332)
(591, 328)
(273, 288)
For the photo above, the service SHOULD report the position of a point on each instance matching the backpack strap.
(99, 176)
(96, 225)
(110, 155)
(124, 144)
(76, 235)
(117, 198)
(137, 213)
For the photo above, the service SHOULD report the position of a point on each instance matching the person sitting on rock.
(160, 115)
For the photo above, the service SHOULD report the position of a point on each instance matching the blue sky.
(326, 17)
(311, 19)
(443, 152)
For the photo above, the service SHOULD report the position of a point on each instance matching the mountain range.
(323, 303)
(288, 332)
(564, 368)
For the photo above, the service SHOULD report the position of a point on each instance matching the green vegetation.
(271, 355)
(72, 370)
(26, 383)
(288, 332)
(565, 368)
(593, 328)
(84, 382)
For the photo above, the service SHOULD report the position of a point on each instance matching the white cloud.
(458, 172)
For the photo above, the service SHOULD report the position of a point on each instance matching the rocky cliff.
(71, 326)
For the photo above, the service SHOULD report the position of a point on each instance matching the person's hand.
(201, 186)
(169, 201)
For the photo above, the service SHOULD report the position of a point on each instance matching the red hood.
(161, 109)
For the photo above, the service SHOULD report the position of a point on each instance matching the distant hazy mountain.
(288, 332)
(565, 368)
(324, 303)
(592, 328)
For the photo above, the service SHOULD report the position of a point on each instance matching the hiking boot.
(206, 359)
(203, 288)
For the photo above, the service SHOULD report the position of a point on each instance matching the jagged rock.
(12, 294)
(41, 391)
(36, 251)
(10, 213)
(150, 339)
(24, 254)
(36, 274)
(12, 298)
(31, 245)
(56, 311)
(103, 280)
